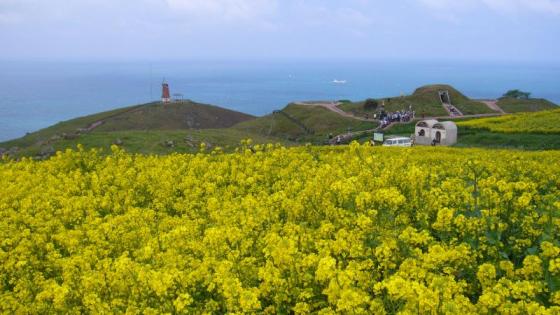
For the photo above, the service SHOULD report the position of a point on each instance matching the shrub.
(517, 94)
(370, 104)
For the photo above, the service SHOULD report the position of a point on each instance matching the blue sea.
(34, 95)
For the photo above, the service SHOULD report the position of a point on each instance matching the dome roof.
(445, 125)
(427, 123)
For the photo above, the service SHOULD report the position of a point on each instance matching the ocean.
(34, 95)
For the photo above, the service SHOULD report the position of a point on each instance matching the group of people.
(399, 116)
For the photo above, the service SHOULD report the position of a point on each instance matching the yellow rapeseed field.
(539, 122)
(274, 230)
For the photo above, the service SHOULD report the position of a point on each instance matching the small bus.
(398, 142)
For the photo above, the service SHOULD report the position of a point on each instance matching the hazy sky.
(287, 29)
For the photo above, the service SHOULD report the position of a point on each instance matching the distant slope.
(65, 127)
(166, 141)
(425, 101)
(173, 116)
(467, 106)
(322, 121)
(151, 116)
(109, 127)
(512, 105)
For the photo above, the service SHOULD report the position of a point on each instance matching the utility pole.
(151, 84)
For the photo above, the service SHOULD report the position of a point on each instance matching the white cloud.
(501, 6)
(9, 18)
(448, 4)
(224, 9)
(552, 6)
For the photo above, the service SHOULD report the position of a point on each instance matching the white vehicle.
(398, 142)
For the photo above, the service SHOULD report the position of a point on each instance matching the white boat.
(335, 81)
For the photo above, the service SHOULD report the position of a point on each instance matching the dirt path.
(98, 123)
(333, 106)
(346, 137)
(493, 105)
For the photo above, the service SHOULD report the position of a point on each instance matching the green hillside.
(65, 129)
(173, 116)
(184, 126)
(429, 94)
(425, 101)
(151, 116)
(143, 128)
(321, 120)
(165, 141)
(513, 105)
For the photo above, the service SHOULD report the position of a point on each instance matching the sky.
(493, 30)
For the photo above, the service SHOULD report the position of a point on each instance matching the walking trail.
(345, 137)
(98, 123)
(333, 106)
(493, 104)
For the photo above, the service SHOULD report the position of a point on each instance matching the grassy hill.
(165, 123)
(513, 105)
(173, 116)
(164, 141)
(182, 127)
(151, 116)
(467, 106)
(425, 100)
(321, 120)
(66, 127)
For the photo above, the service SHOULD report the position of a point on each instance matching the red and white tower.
(165, 95)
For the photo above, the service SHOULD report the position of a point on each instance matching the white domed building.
(433, 132)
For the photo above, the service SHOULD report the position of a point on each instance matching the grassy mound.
(155, 141)
(425, 101)
(513, 105)
(173, 116)
(152, 116)
(319, 119)
(169, 122)
(66, 127)
(429, 94)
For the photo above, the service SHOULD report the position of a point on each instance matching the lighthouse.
(165, 95)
